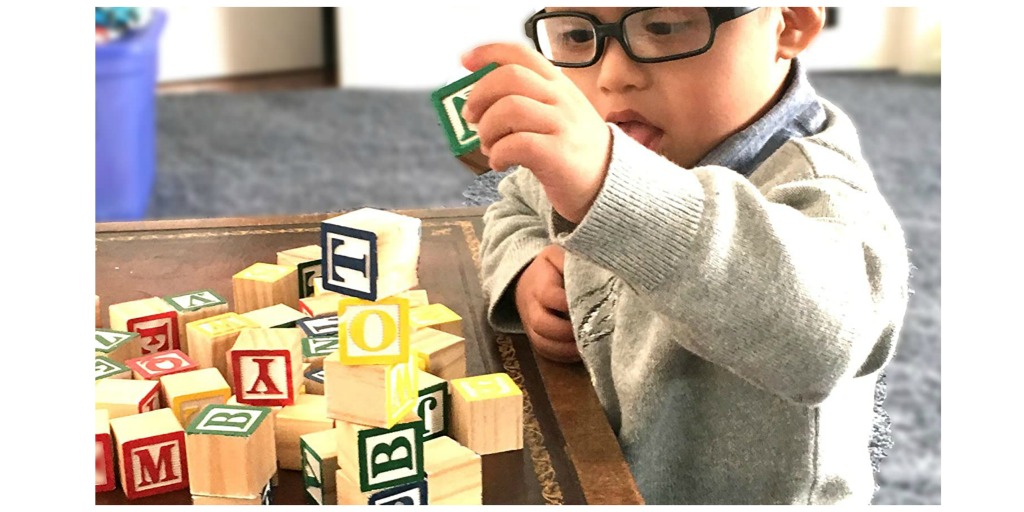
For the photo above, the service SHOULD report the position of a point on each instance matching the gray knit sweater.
(733, 324)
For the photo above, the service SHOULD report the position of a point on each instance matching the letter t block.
(370, 254)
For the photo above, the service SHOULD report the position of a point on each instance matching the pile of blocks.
(331, 363)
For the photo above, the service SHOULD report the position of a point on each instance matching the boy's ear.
(800, 25)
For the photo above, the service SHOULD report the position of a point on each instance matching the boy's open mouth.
(637, 127)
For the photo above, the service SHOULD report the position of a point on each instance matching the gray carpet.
(330, 150)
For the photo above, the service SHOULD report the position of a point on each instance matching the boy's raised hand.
(528, 113)
(543, 307)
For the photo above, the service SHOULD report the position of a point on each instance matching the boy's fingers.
(551, 326)
(509, 53)
(553, 298)
(528, 149)
(511, 80)
(557, 258)
(513, 114)
(559, 351)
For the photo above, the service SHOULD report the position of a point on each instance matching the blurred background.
(215, 112)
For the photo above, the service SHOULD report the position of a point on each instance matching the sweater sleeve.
(793, 279)
(514, 233)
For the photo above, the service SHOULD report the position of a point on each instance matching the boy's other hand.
(528, 113)
(543, 307)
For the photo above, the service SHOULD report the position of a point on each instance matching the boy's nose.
(618, 72)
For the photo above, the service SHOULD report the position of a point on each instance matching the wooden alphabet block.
(316, 348)
(370, 253)
(307, 415)
(437, 316)
(266, 366)
(265, 497)
(117, 346)
(151, 451)
(278, 315)
(444, 354)
(320, 305)
(231, 450)
(373, 332)
(154, 319)
(487, 413)
(314, 381)
(375, 395)
(107, 369)
(378, 458)
(454, 473)
(105, 480)
(154, 366)
(433, 405)
(264, 284)
(318, 288)
(348, 493)
(319, 466)
(123, 397)
(308, 263)
(416, 298)
(211, 338)
(320, 326)
(195, 305)
(187, 393)
(99, 319)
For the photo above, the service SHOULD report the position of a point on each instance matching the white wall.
(213, 42)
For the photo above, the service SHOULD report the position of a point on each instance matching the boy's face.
(682, 109)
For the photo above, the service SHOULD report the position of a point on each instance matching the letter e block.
(151, 451)
(373, 332)
(156, 365)
(266, 366)
(117, 346)
(320, 326)
(378, 458)
(319, 466)
(262, 285)
(370, 254)
(374, 395)
(105, 480)
(187, 393)
(154, 319)
(454, 473)
(231, 450)
(487, 413)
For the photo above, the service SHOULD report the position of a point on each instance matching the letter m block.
(151, 448)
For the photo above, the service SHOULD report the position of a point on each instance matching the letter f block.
(151, 449)
(370, 254)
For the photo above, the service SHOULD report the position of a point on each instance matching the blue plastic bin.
(126, 71)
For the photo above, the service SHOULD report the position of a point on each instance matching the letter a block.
(193, 306)
(117, 346)
(151, 451)
(187, 393)
(454, 473)
(124, 397)
(487, 413)
(348, 493)
(433, 405)
(266, 366)
(370, 254)
(373, 332)
(211, 338)
(262, 285)
(104, 453)
(308, 262)
(379, 458)
(154, 366)
(319, 466)
(374, 395)
(231, 451)
(154, 319)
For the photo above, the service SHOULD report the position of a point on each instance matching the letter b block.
(151, 449)
(370, 253)
(487, 413)
(231, 450)
(379, 458)
(373, 332)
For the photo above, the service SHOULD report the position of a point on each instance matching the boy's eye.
(663, 28)
(578, 36)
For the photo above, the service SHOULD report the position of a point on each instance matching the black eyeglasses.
(647, 34)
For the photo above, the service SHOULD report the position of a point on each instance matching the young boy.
(698, 226)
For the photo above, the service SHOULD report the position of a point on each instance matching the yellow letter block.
(188, 392)
(487, 413)
(373, 332)
(211, 338)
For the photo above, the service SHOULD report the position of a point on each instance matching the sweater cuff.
(501, 312)
(644, 217)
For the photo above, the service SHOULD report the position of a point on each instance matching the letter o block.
(154, 366)
(373, 332)
(487, 413)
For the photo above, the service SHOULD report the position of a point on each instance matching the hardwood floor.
(303, 79)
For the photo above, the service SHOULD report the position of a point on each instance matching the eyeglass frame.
(602, 31)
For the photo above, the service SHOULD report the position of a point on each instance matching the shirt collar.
(798, 113)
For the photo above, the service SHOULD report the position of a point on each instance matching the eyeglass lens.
(650, 34)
